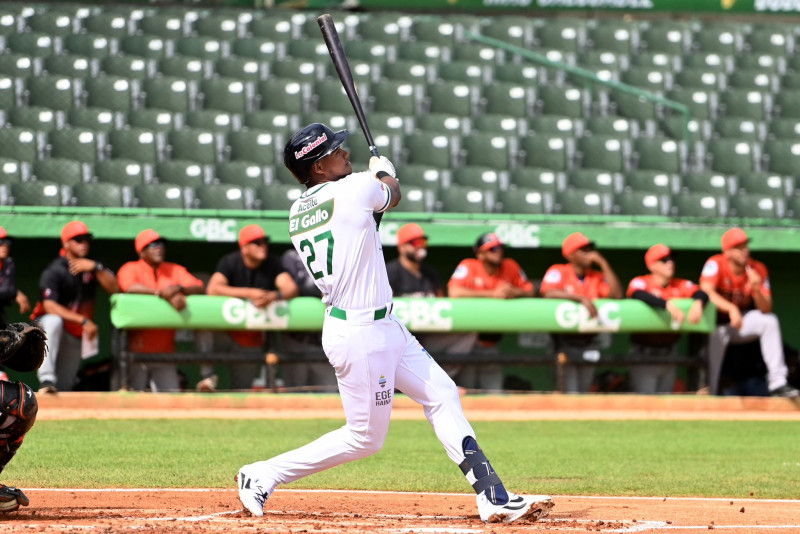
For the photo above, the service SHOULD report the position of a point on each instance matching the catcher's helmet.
(309, 145)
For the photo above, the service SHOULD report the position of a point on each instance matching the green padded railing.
(590, 77)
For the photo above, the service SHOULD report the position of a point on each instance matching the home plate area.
(364, 512)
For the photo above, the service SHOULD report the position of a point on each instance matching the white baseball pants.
(372, 358)
(755, 325)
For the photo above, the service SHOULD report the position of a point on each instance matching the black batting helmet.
(309, 145)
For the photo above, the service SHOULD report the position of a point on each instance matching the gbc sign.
(241, 313)
(571, 315)
(214, 229)
(425, 315)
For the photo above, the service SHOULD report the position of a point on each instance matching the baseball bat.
(334, 44)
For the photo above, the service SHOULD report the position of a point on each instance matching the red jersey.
(562, 277)
(735, 288)
(471, 274)
(677, 288)
(167, 274)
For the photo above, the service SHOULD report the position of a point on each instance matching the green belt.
(339, 313)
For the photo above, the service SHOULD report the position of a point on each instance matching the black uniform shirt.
(239, 275)
(57, 284)
(406, 284)
(8, 287)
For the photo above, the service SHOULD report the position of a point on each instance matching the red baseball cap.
(250, 233)
(74, 229)
(4, 234)
(487, 241)
(574, 242)
(410, 232)
(146, 237)
(733, 237)
(655, 253)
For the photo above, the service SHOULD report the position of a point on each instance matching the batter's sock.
(496, 493)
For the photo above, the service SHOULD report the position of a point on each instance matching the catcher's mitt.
(22, 347)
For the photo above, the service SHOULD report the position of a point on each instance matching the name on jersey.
(310, 216)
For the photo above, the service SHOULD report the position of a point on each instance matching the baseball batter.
(332, 228)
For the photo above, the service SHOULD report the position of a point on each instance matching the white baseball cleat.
(528, 507)
(251, 493)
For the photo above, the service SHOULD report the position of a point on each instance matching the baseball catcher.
(22, 348)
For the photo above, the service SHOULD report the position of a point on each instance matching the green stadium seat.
(601, 60)
(159, 120)
(366, 51)
(443, 123)
(562, 34)
(101, 194)
(212, 119)
(88, 45)
(457, 199)
(128, 67)
(387, 143)
(71, 66)
(52, 23)
(61, 171)
(160, 196)
(206, 48)
(548, 152)
(648, 78)
(490, 150)
(288, 96)
(22, 144)
(720, 41)
(313, 50)
(766, 183)
(34, 44)
(182, 172)
(138, 144)
(783, 156)
(621, 37)
(538, 179)
(509, 99)
(79, 144)
(477, 53)
(256, 146)
(514, 30)
(54, 92)
(745, 103)
(35, 118)
(402, 98)
(384, 121)
(606, 153)
(557, 100)
(787, 104)
(525, 201)
(123, 172)
(674, 125)
(739, 128)
(329, 95)
(258, 48)
(162, 24)
(649, 181)
(282, 175)
(790, 80)
(486, 178)
(690, 78)
(306, 70)
(242, 68)
(597, 180)
(112, 92)
(20, 65)
(170, 93)
(757, 80)
(734, 156)
(412, 71)
(275, 28)
(613, 126)
(200, 146)
(583, 202)
(639, 203)
(424, 52)
(273, 121)
(416, 200)
(771, 39)
(243, 174)
(436, 30)
(660, 154)
(279, 196)
(37, 194)
(784, 128)
(389, 27)
(227, 94)
(709, 183)
(148, 46)
(184, 67)
(432, 149)
(556, 125)
(764, 62)
(757, 206)
(222, 27)
(13, 171)
(667, 38)
(453, 98)
(660, 60)
(702, 104)
(10, 21)
(108, 24)
(710, 61)
(500, 124)
(514, 73)
(424, 177)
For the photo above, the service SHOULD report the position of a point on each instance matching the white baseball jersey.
(333, 230)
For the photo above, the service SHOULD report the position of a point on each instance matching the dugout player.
(66, 306)
(577, 281)
(332, 227)
(658, 289)
(9, 292)
(739, 286)
(488, 275)
(249, 273)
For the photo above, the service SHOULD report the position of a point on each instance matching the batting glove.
(382, 164)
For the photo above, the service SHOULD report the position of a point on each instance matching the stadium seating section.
(128, 106)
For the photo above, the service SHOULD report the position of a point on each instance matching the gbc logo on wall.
(213, 229)
(573, 315)
(240, 312)
(424, 315)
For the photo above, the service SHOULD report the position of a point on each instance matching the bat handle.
(374, 150)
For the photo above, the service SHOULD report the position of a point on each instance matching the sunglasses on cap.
(258, 242)
(82, 238)
(419, 242)
(496, 248)
(156, 243)
(665, 259)
(5, 242)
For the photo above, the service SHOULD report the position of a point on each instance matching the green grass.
(688, 458)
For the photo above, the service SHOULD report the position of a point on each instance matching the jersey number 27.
(312, 253)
